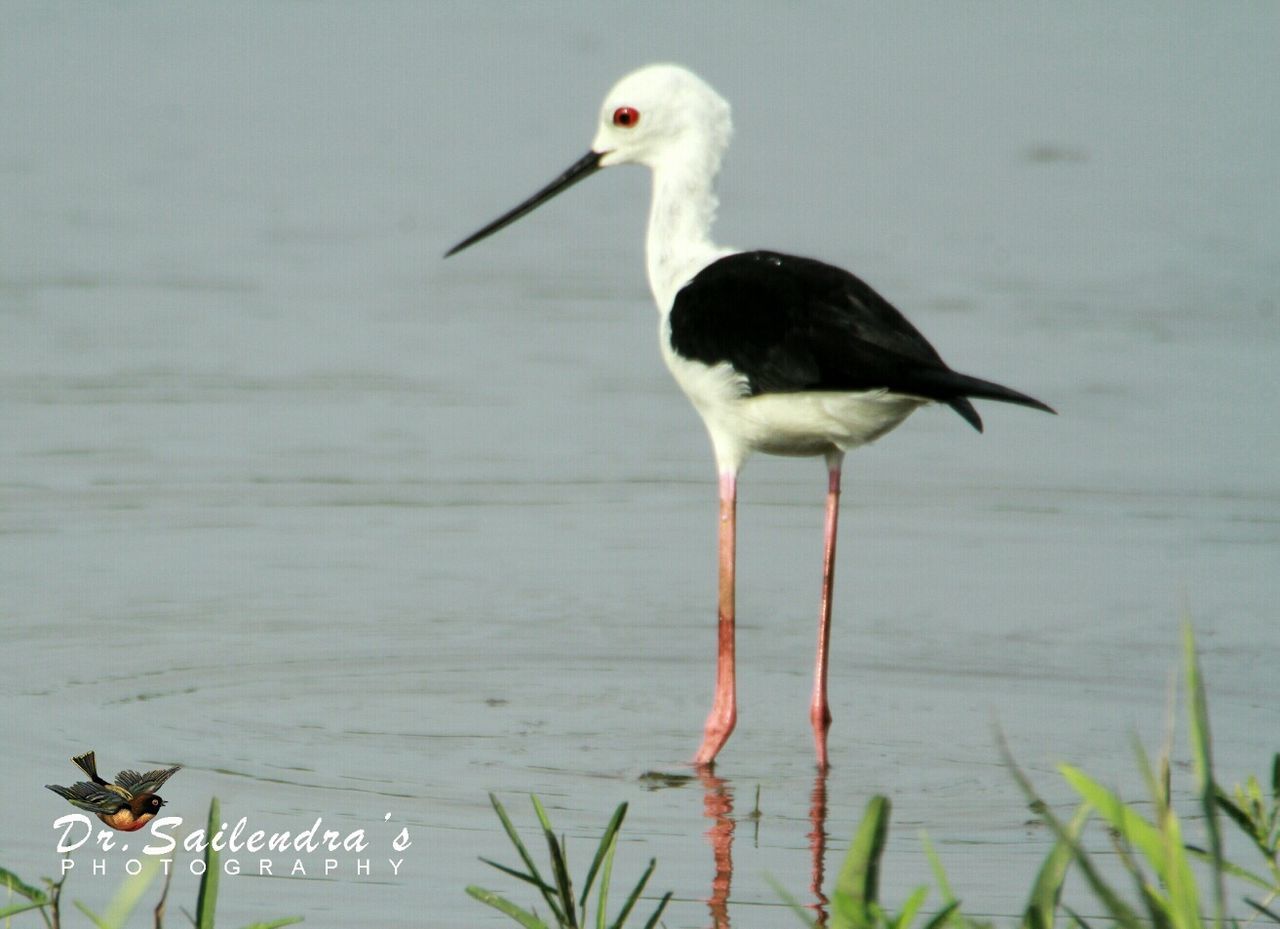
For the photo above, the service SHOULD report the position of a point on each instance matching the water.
(350, 531)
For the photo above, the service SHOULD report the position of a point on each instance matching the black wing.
(90, 797)
(147, 783)
(791, 324)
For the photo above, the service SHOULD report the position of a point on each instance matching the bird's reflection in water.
(818, 845)
(717, 806)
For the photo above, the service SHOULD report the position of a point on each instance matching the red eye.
(626, 117)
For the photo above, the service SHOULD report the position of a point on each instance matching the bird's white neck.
(678, 244)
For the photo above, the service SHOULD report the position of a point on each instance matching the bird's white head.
(659, 113)
(669, 119)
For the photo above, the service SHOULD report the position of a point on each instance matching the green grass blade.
(1265, 911)
(275, 923)
(17, 908)
(1241, 819)
(1046, 892)
(1158, 788)
(858, 883)
(634, 895)
(514, 837)
(559, 866)
(1162, 847)
(207, 899)
(1120, 911)
(606, 842)
(1159, 910)
(130, 894)
(547, 891)
(606, 876)
(1236, 870)
(519, 875)
(15, 883)
(1079, 920)
(94, 917)
(909, 909)
(1201, 750)
(940, 918)
(1184, 891)
(503, 905)
(935, 864)
(652, 921)
(796, 906)
(543, 819)
(125, 899)
(564, 881)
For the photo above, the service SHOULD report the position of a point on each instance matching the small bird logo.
(127, 805)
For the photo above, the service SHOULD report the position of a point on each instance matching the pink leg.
(724, 710)
(819, 711)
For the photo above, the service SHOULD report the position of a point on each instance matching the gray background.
(350, 530)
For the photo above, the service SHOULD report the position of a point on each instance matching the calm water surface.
(352, 532)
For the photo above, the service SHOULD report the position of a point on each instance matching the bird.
(778, 353)
(127, 805)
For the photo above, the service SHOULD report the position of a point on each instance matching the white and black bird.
(779, 354)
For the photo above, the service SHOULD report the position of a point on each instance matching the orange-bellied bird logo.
(127, 805)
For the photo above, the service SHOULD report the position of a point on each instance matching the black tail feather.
(953, 388)
(965, 409)
(89, 765)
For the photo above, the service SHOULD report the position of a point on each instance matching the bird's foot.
(717, 731)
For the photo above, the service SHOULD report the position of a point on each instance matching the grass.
(1154, 854)
(564, 908)
(47, 902)
(855, 899)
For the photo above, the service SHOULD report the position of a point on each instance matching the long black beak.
(584, 167)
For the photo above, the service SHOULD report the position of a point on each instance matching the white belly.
(801, 423)
(815, 423)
